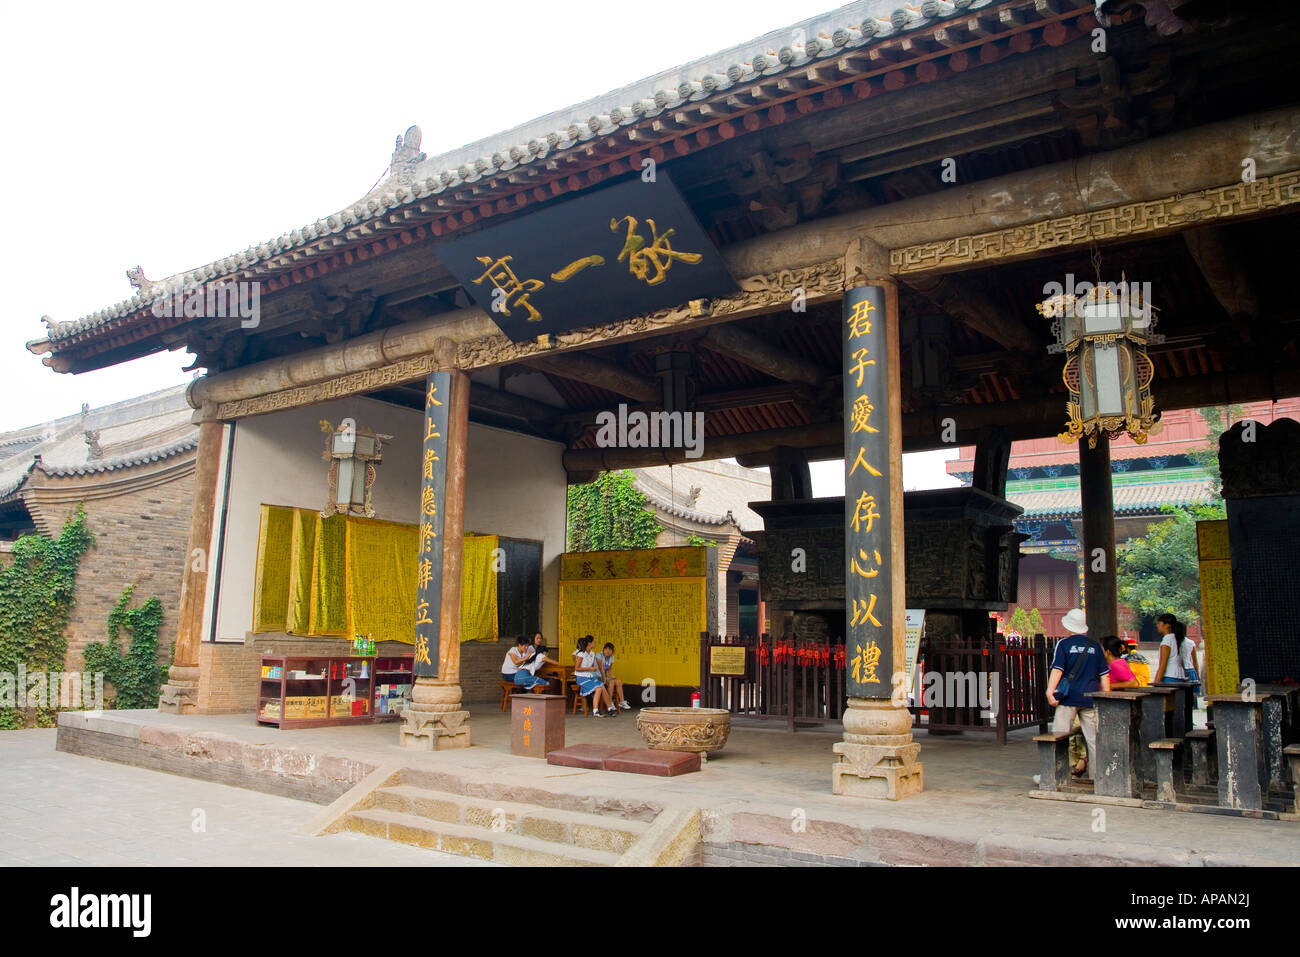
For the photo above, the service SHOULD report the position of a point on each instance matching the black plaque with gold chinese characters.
(433, 495)
(868, 594)
(622, 251)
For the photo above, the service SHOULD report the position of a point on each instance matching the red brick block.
(589, 756)
(664, 764)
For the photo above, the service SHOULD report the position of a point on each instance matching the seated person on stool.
(589, 678)
(615, 687)
(513, 668)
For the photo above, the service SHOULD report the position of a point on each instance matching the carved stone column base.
(877, 758)
(180, 695)
(435, 722)
(864, 770)
(435, 730)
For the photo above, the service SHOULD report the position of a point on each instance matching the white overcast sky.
(171, 134)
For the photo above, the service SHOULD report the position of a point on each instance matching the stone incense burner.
(685, 729)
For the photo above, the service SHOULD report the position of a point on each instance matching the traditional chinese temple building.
(829, 242)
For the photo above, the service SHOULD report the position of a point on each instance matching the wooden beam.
(976, 309)
(1155, 169)
(1027, 418)
(600, 373)
(1224, 270)
(515, 406)
(757, 353)
(709, 402)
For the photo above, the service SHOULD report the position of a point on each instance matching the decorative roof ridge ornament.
(1104, 329)
(142, 286)
(402, 165)
(406, 157)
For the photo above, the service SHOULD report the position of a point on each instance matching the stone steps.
(468, 840)
(594, 832)
(407, 808)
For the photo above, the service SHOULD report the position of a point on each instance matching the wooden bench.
(1054, 760)
(1203, 756)
(1169, 769)
(1292, 754)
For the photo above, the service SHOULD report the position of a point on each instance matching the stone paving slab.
(66, 810)
(771, 789)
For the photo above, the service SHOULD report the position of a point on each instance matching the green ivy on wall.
(36, 594)
(610, 514)
(134, 673)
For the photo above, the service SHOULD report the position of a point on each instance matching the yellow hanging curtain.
(329, 608)
(343, 574)
(478, 588)
(380, 578)
(271, 581)
(302, 550)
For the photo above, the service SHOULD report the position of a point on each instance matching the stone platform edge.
(761, 836)
(211, 756)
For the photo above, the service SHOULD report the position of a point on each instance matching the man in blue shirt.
(1081, 664)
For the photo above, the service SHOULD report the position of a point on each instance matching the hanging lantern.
(1104, 334)
(353, 454)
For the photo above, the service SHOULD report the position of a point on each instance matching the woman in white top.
(514, 668)
(590, 681)
(1176, 651)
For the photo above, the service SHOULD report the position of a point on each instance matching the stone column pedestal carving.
(180, 695)
(877, 758)
(435, 721)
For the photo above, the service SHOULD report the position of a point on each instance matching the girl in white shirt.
(1177, 662)
(590, 681)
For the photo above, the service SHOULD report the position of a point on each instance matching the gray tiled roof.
(827, 36)
(148, 428)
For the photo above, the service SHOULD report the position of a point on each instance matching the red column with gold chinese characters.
(435, 719)
(877, 757)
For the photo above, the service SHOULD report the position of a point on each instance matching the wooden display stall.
(315, 691)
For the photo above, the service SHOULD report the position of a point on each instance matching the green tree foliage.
(134, 673)
(36, 594)
(1026, 622)
(609, 514)
(1218, 419)
(1158, 572)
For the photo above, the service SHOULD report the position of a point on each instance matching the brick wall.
(141, 535)
(736, 854)
(480, 668)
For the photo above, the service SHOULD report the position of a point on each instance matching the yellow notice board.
(653, 620)
(1218, 608)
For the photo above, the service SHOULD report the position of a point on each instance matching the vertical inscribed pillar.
(877, 757)
(180, 695)
(435, 719)
(1097, 502)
